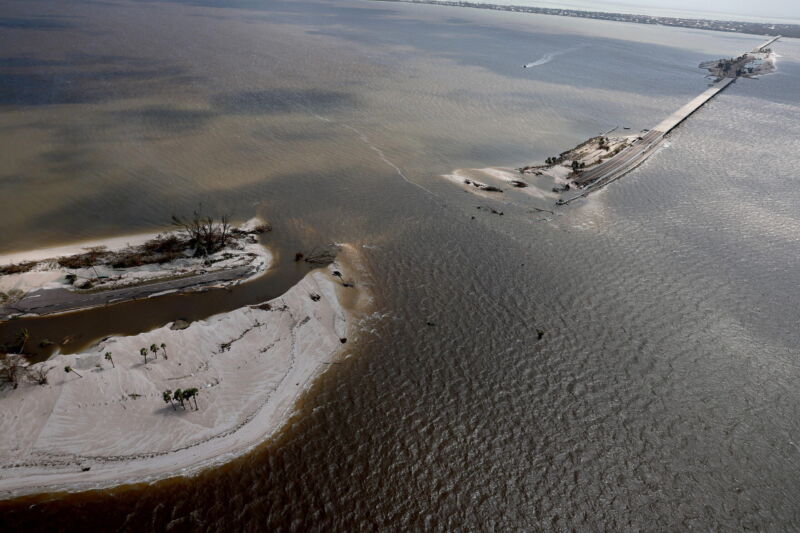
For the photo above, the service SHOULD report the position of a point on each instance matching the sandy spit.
(111, 426)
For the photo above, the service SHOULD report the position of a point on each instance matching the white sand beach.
(110, 425)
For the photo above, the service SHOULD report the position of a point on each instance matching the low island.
(198, 253)
(600, 160)
(178, 398)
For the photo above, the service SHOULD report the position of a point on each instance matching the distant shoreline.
(730, 26)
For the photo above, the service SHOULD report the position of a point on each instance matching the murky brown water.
(73, 332)
(662, 396)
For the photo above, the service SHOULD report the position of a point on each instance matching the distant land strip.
(756, 28)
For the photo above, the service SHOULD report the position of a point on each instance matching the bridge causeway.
(642, 148)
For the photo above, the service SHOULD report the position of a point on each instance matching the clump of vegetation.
(164, 244)
(258, 230)
(18, 268)
(167, 397)
(159, 250)
(38, 374)
(203, 233)
(11, 368)
(181, 396)
(154, 350)
(198, 236)
(93, 256)
(191, 394)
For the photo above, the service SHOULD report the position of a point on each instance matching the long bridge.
(643, 147)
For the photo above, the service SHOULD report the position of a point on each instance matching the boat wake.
(541, 61)
(549, 57)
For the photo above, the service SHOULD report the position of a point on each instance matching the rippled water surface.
(663, 394)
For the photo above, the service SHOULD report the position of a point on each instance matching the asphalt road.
(621, 161)
(760, 48)
(50, 301)
(642, 148)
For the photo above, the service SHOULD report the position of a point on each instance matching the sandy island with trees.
(197, 253)
(548, 181)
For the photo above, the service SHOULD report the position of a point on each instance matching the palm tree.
(69, 369)
(189, 394)
(154, 351)
(109, 359)
(167, 396)
(178, 395)
(143, 353)
(23, 339)
(164, 348)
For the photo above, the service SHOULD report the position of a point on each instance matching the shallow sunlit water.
(662, 395)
